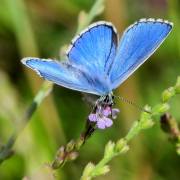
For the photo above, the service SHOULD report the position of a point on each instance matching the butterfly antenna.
(133, 104)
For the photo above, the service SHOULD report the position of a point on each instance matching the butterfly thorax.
(106, 100)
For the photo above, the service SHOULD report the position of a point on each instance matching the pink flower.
(104, 123)
(115, 112)
(102, 116)
(107, 111)
(93, 117)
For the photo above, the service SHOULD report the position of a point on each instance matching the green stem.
(96, 9)
(6, 150)
(133, 131)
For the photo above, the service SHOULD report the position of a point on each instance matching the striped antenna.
(132, 103)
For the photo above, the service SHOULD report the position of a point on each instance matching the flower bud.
(160, 108)
(121, 146)
(177, 86)
(109, 149)
(167, 94)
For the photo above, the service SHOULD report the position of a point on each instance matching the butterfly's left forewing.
(94, 48)
(137, 44)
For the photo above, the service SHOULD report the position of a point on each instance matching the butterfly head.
(106, 100)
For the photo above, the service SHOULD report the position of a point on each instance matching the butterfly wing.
(66, 75)
(137, 44)
(94, 48)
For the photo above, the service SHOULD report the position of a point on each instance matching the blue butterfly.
(98, 61)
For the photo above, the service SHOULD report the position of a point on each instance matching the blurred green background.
(39, 28)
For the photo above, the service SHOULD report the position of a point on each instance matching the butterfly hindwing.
(137, 44)
(94, 48)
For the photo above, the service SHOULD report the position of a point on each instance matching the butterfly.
(98, 62)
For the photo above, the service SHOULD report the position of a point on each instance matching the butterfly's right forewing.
(137, 44)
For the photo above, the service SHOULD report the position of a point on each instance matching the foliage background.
(39, 28)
